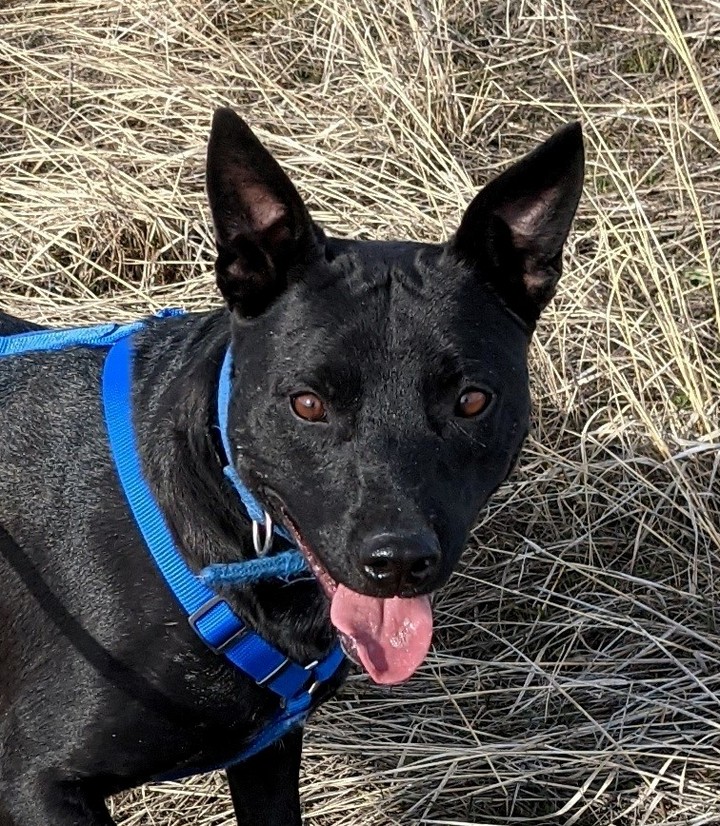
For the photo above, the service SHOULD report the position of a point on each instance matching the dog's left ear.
(514, 230)
(262, 227)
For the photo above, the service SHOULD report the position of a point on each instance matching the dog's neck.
(179, 447)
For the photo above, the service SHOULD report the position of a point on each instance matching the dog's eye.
(471, 403)
(310, 407)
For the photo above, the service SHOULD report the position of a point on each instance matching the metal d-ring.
(262, 549)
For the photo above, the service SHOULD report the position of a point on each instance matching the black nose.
(399, 564)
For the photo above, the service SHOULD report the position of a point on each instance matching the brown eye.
(471, 403)
(310, 407)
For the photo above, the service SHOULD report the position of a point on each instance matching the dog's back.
(10, 325)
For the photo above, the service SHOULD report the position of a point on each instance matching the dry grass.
(577, 662)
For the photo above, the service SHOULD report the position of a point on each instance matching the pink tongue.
(391, 636)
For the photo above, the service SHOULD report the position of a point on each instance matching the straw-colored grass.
(576, 666)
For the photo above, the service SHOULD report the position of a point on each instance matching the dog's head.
(380, 392)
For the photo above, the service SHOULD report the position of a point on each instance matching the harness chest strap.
(208, 613)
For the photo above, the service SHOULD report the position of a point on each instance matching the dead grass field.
(576, 670)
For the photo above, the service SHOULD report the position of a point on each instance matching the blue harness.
(208, 614)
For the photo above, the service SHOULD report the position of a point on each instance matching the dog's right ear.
(262, 227)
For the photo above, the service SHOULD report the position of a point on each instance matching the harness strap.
(209, 615)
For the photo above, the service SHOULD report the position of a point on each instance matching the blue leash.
(101, 335)
(208, 614)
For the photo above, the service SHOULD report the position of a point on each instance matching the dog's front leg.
(264, 788)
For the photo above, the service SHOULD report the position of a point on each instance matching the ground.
(574, 674)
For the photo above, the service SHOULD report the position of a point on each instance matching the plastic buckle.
(309, 668)
(274, 673)
(201, 612)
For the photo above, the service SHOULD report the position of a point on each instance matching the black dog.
(380, 396)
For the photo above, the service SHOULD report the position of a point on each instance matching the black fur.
(103, 685)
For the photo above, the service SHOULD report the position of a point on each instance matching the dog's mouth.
(388, 637)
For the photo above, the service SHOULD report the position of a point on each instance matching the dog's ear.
(514, 230)
(262, 227)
